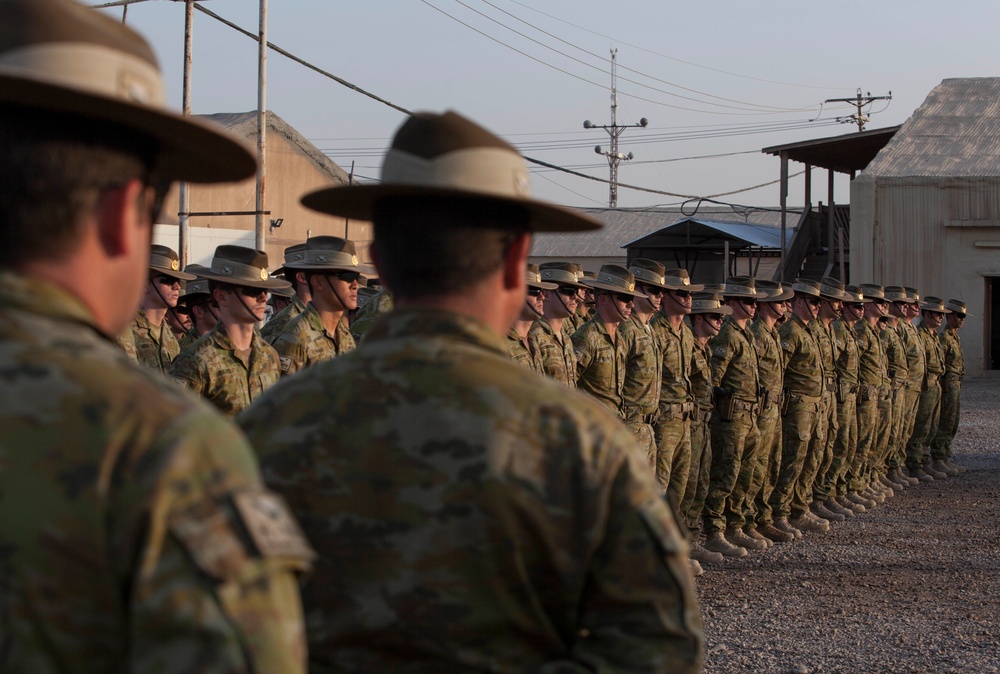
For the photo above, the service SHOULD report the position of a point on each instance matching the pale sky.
(725, 77)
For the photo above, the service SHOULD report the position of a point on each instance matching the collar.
(423, 322)
(44, 298)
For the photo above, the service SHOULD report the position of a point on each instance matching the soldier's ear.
(123, 224)
(514, 262)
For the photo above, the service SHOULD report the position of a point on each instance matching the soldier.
(302, 296)
(532, 309)
(735, 437)
(281, 299)
(133, 514)
(547, 337)
(600, 352)
(155, 342)
(707, 314)
(178, 317)
(932, 313)
(759, 514)
(846, 443)
(915, 364)
(232, 365)
(675, 342)
(586, 306)
(201, 305)
(811, 491)
(804, 383)
(331, 270)
(379, 304)
(471, 515)
(893, 446)
(951, 390)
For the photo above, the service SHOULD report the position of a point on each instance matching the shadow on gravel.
(912, 586)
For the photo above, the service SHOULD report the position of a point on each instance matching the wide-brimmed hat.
(804, 286)
(61, 57)
(935, 304)
(873, 291)
(742, 286)
(897, 294)
(709, 303)
(534, 279)
(242, 266)
(199, 286)
(561, 273)
(284, 292)
(294, 253)
(616, 279)
(164, 260)
(713, 288)
(365, 294)
(912, 293)
(831, 288)
(327, 253)
(957, 307)
(650, 272)
(855, 295)
(448, 156)
(679, 279)
(776, 292)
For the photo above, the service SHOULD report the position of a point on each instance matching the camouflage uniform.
(893, 449)
(929, 405)
(471, 515)
(676, 404)
(379, 304)
(521, 353)
(846, 444)
(156, 347)
(189, 338)
(804, 381)
(951, 392)
(915, 366)
(820, 454)
(213, 368)
(573, 323)
(735, 441)
(126, 341)
(126, 542)
(600, 363)
(305, 342)
(765, 474)
(274, 327)
(873, 388)
(641, 387)
(555, 355)
(696, 490)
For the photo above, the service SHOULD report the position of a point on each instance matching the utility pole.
(859, 102)
(614, 130)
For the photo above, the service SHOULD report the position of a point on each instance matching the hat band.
(239, 271)
(488, 170)
(196, 287)
(830, 290)
(320, 257)
(616, 281)
(745, 290)
(164, 262)
(88, 68)
(648, 276)
(677, 280)
(805, 288)
(559, 276)
(706, 304)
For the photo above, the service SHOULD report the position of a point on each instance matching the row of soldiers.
(765, 409)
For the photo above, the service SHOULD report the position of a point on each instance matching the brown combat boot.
(782, 524)
(855, 497)
(833, 506)
(936, 474)
(695, 567)
(716, 542)
(820, 510)
(897, 478)
(851, 505)
(739, 538)
(752, 533)
(955, 466)
(943, 467)
(774, 534)
(809, 522)
(920, 474)
(700, 554)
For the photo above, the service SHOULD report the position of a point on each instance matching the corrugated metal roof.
(622, 226)
(711, 234)
(954, 133)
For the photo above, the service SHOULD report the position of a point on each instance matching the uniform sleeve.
(209, 559)
(584, 354)
(291, 356)
(639, 612)
(722, 353)
(186, 371)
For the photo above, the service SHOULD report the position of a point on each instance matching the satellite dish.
(644, 122)
(587, 124)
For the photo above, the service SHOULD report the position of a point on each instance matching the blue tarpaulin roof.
(703, 233)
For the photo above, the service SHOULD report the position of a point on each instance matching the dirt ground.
(911, 586)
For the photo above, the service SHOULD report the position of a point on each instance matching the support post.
(261, 124)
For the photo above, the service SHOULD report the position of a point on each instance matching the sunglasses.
(248, 291)
(681, 293)
(714, 317)
(535, 292)
(958, 315)
(814, 301)
(165, 280)
(346, 276)
(624, 298)
(746, 301)
(654, 290)
(566, 291)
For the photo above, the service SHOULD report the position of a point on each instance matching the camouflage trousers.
(883, 430)
(896, 454)
(693, 502)
(672, 437)
(844, 446)
(951, 394)
(643, 434)
(797, 429)
(766, 471)
(734, 449)
(924, 427)
(821, 452)
(867, 415)
(910, 405)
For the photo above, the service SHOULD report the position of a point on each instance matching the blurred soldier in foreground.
(472, 516)
(132, 535)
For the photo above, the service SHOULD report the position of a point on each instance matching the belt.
(831, 384)
(747, 405)
(932, 378)
(805, 398)
(680, 411)
(642, 418)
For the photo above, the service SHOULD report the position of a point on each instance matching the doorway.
(991, 322)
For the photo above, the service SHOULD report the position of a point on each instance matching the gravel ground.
(912, 586)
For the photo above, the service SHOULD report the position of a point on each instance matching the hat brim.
(691, 288)
(786, 294)
(189, 149)
(543, 285)
(365, 269)
(265, 284)
(724, 310)
(757, 295)
(180, 275)
(360, 201)
(614, 289)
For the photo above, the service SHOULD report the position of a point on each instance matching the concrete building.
(926, 211)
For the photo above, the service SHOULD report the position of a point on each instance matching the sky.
(717, 81)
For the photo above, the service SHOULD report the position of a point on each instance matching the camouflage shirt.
(734, 362)
(305, 342)
(675, 347)
(126, 341)
(765, 340)
(895, 355)
(130, 536)
(803, 359)
(951, 344)
(643, 368)
(823, 335)
(872, 367)
(600, 363)
(156, 347)
(933, 353)
(213, 368)
(470, 515)
(847, 350)
(914, 348)
(555, 355)
(380, 303)
(520, 352)
(701, 375)
(280, 320)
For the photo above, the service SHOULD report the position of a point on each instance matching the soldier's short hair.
(53, 171)
(430, 247)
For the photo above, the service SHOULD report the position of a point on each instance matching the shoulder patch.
(271, 526)
(286, 363)
(719, 351)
